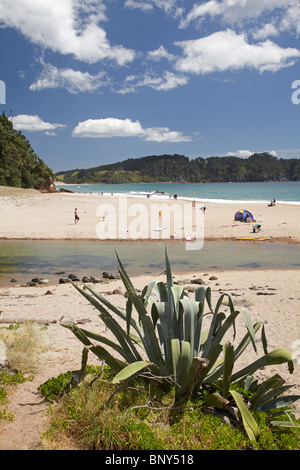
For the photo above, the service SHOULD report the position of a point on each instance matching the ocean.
(283, 192)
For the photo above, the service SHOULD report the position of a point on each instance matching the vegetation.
(22, 344)
(180, 169)
(142, 416)
(19, 165)
(168, 345)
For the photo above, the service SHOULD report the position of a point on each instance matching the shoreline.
(29, 214)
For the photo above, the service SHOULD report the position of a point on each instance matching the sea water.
(287, 192)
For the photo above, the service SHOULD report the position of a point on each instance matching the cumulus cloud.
(65, 26)
(74, 81)
(113, 127)
(248, 153)
(233, 11)
(31, 123)
(226, 50)
(266, 31)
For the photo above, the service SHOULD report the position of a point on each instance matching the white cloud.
(233, 11)
(30, 123)
(74, 81)
(266, 31)
(163, 134)
(240, 153)
(248, 153)
(112, 127)
(161, 53)
(109, 127)
(167, 81)
(291, 18)
(64, 26)
(226, 50)
(135, 4)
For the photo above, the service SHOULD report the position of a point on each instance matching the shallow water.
(26, 259)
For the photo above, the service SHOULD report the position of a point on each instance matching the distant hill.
(180, 169)
(19, 165)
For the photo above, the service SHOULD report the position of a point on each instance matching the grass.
(142, 417)
(23, 344)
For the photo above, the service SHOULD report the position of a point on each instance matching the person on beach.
(76, 216)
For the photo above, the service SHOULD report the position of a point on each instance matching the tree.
(19, 165)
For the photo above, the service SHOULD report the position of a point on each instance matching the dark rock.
(63, 280)
(86, 279)
(48, 292)
(198, 281)
(213, 278)
(73, 277)
(13, 280)
(30, 284)
(118, 292)
(96, 280)
(107, 275)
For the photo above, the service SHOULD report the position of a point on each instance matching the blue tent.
(243, 215)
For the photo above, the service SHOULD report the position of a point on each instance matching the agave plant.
(168, 339)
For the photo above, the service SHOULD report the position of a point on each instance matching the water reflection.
(26, 259)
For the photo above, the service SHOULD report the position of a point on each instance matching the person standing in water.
(76, 216)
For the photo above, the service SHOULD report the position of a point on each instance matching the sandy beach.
(269, 295)
(29, 214)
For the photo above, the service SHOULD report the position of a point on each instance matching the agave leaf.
(268, 399)
(110, 343)
(184, 362)
(168, 270)
(227, 367)
(113, 325)
(278, 356)
(165, 332)
(264, 340)
(212, 330)
(203, 293)
(268, 384)
(150, 340)
(247, 319)
(175, 345)
(249, 422)
(161, 292)
(280, 402)
(190, 310)
(246, 340)
(100, 352)
(126, 316)
(286, 424)
(146, 293)
(130, 370)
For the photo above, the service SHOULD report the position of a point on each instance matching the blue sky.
(96, 82)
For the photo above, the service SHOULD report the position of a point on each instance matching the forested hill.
(180, 169)
(19, 165)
